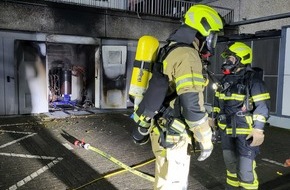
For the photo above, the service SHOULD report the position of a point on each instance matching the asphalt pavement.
(39, 153)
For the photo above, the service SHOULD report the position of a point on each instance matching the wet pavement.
(38, 152)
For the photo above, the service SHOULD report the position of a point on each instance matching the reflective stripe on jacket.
(230, 103)
(184, 70)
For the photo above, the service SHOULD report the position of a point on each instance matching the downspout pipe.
(262, 19)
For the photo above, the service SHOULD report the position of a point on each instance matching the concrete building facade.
(38, 38)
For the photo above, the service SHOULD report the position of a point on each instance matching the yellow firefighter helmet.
(204, 19)
(240, 50)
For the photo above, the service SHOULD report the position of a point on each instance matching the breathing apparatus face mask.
(228, 67)
(230, 64)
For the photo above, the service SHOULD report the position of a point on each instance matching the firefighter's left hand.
(258, 137)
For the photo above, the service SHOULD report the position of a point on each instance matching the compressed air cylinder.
(146, 53)
(66, 82)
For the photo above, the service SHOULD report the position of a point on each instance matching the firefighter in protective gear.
(173, 104)
(241, 109)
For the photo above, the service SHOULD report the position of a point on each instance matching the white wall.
(251, 9)
(231, 4)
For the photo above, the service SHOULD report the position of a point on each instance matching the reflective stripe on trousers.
(239, 158)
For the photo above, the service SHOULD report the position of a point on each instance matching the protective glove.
(204, 153)
(203, 135)
(258, 137)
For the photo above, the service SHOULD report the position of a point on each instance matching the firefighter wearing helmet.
(241, 109)
(172, 108)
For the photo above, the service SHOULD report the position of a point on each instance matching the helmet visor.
(211, 41)
(226, 54)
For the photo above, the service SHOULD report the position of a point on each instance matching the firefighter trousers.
(172, 164)
(239, 158)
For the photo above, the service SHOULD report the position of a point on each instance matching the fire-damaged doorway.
(53, 75)
(114, 74)
(87, 76)
(31, 76)
(71, 75)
